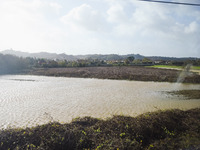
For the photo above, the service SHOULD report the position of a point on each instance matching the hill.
(40, 55)
(107, 57)
(64, 56)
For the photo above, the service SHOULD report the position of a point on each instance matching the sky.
(100, 27)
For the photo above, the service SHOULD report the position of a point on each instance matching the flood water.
(33, 100)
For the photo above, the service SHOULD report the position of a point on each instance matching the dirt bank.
(119, 73)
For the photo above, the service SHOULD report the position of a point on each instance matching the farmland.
(137, 73)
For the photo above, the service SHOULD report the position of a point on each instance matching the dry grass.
(119, 73)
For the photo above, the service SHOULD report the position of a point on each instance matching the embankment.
(171, 129)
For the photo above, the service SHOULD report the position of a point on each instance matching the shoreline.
(169, 129)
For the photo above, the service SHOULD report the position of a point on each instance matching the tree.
(12, 64)
(146, 61)
(129, 60)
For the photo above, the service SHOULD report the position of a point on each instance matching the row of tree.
(13, 64)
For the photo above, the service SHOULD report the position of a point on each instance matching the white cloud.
(156, 27)
(116, 14)
(192, 28)
(117, 2)
(84, 16)
(108, 26)
(24, 25)
(55, 6)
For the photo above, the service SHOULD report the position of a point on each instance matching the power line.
(176, 3)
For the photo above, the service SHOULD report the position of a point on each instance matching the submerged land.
(187, 94)
(170, 129)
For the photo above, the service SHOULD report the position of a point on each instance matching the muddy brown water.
(34, 100)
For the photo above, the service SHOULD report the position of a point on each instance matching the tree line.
(12, 64)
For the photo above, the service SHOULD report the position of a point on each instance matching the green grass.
(170, 129)
(196, 67)
(167, 66)
(174, 67)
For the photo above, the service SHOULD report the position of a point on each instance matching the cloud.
(26, 25)
(193, 27)
(84, 16)
(95, 26)
(55, 6)
(156, 27)
(116, 14)
(141, 27)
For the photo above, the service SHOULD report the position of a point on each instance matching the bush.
(171, 129)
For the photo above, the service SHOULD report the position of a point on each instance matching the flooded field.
(33, 100)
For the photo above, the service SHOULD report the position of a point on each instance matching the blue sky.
(100, 27)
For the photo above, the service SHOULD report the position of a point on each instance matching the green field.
(174, 67)
(196, 67)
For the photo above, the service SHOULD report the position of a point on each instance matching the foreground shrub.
(171, 129)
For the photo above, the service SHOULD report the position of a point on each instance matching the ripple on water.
(24, 102)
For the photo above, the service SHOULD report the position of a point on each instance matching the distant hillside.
(70, 57)
(40, 55)
(16, 53)
(154, 58)
(64, 56)
(109, 56)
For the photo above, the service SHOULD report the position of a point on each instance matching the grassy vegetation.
(171, 129)
(167, 66)
(196, 67)
(174, 67)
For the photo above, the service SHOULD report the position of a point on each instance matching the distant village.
(129, 61)
(14, 61)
